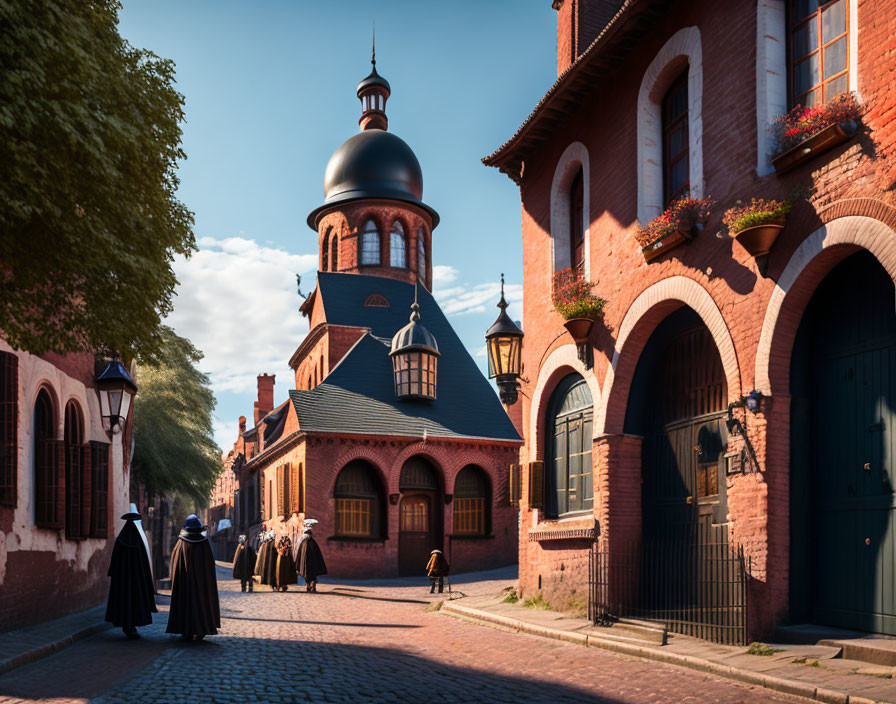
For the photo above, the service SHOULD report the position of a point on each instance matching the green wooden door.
(852, 440)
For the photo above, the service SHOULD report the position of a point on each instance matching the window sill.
(467, 536)
(578, 526)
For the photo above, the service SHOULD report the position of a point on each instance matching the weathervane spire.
(373, 52)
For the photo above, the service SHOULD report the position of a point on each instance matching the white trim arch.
(574, 157)
(679, 289)
(856, 230)
(565, 356)
(683, 47)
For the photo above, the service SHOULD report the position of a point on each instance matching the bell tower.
(373, 92)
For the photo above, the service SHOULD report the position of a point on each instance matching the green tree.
(90, 139)
(173, 446)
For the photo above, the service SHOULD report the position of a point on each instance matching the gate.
(695, 588)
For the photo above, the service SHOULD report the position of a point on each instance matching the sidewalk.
(26, 645)
(819, 673)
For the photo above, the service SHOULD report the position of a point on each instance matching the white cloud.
(465, 299)
(237, 303)
(443, 275)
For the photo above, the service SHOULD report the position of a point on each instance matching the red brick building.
(391, 437)
(648, 442)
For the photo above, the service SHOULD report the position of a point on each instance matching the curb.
(43, 651)
(776, 684)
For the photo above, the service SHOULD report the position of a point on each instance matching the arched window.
(9, 425)
(370, 244)
(49, 466)
(676, 164)
(397, 255)
(77, 478)
(570, 475)
(325, 251)
(576, 223)
(334, 252)
(470, 503)
(421, 254)
(819, 52)
(359, 502)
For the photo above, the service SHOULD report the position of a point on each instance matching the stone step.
(811, 633)
(635, 630)
(876, 651)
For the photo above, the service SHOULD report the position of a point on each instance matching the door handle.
(690, 500)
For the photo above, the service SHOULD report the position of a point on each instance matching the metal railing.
(692, 587)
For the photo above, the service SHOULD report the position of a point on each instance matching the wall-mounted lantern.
(116, 389)
(504, 340)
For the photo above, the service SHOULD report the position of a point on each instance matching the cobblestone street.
(353, 642)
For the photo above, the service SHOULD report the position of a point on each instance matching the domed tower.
(373, 220)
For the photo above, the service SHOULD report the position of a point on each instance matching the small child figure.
(437, 570)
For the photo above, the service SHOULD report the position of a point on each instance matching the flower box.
(756, 226)
(681, 222)
(809, 148)
(670, 241)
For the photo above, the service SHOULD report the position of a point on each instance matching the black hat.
(132, 516)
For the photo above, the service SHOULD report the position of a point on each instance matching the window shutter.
(295, 488)
(73, 494)
(536, 485)
(514, 484)
(281, 490)
(99, 490)
(9, 426)
(86, 490)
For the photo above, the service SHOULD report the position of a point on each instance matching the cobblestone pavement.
(353, 642)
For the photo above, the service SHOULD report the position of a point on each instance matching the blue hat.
(193, 524)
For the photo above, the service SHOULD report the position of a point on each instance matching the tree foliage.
(90, 139)
(173, 446)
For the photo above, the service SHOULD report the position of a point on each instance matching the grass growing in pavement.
(757, 648)
(434, 606)
(511, 598)
(537, 602)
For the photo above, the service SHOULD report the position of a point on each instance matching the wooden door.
(416, 533)
(852, 441)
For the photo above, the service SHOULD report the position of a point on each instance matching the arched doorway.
(843, 438)
(570, 474)
(419, 515)
(678, 404)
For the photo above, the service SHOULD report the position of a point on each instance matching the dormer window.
(397, 256)
(370, 244)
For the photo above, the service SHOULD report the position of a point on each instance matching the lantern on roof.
(415, 355)
(504, 340)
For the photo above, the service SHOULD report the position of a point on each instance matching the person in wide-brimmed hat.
(311, 563)
(131, 594)
(194, 611)
(243, 563)
(437, 570)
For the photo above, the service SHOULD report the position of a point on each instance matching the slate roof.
(358, 395)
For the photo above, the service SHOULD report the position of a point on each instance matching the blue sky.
(270, 94)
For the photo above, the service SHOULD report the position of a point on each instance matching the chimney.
(265, 402)
(242, 424)
(579, 22)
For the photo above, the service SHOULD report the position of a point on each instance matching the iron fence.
(692, 587)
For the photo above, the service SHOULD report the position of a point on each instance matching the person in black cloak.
(311, 563)
(243, 563)
(266, 563)
(194, 611)
(285, 574)
(131, 594)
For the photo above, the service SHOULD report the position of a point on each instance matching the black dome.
(374, 79)
(373, 164)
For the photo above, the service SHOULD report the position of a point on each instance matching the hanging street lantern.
(415, 354)
(115, 389)
(505, 341)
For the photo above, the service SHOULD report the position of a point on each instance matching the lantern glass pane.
(125, 407)
(104, 403)
(115, 402)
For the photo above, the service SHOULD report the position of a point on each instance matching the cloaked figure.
(266, 562)
(194, 611)
(244, 563)
(285, 574)
(437, 569)
(131, 594)
(311, 563)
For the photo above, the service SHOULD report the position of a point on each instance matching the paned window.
(49, 466)
(576, 224)
(570, 477)
(99, 490)
(414, 515)
(9, 428)
(421, 254)
(397, 249)
(676, 161)
(325, 251)
(334, 251)
(415, 374)
(77, 475)
(819, 50)
(469, 503)
(370, 244)
(358, 501)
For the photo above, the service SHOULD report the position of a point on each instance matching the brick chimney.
(578, 24)
(265, 402)
(242, 424)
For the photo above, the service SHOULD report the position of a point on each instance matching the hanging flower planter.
(681, 222)
(579, 329)
(756, 226)
(574, 299)
(803, 133)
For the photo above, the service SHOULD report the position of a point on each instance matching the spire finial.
(502, 304)
(373, 52)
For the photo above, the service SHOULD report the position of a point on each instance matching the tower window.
(325, 251)
(334, 251)
(421, 254)
(676, 163)
(576, 223)
(397, 256)
(370, 244)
